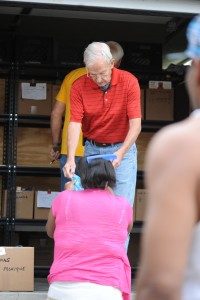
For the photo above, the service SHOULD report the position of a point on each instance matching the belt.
(101, 144)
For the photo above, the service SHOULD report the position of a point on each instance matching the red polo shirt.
(105, 115)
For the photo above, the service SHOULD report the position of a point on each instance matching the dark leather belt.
(101, 144)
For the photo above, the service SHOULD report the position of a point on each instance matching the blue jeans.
(126, 173)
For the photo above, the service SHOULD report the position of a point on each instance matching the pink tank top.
(90, 236)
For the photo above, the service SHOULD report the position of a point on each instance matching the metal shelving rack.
(13, 71)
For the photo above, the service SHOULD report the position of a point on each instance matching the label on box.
(33, 109)
(17, 269)
(44, 199)
(36, 92)
(167, 85)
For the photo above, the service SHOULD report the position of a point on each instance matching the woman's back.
(90, 234)
(95, 212)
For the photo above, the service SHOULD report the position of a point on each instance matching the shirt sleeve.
(55, 204)
(63, 93)
(127, 212)
(134, 101)
(76, 104)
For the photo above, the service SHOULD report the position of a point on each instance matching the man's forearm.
(74, 129)
(56, 125)
(132, 135)
(56, 122)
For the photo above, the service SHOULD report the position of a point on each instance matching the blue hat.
(193, 36)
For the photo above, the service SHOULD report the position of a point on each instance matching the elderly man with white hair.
(106, 104)
(62, 107)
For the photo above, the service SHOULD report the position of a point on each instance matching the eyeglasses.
(102, 75)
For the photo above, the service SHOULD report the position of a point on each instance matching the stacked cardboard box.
(34, 146)
(30, 204)
(159, 101)
(16, 269)
(43, 201)
(23, 206)
(34, 98)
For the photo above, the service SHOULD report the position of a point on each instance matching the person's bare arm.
(170, 217)
(130, 226)
(134, 131)
(56, 128)
(50, 225)
(74, 129)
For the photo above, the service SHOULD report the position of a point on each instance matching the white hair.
(95, 51)
(116, 50)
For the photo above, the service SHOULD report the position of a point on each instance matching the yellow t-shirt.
(64, 96)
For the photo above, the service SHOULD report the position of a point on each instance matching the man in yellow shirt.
(62, 105)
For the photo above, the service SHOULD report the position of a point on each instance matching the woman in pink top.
(90, 228)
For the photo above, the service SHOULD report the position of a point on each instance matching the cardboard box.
(40, 213)
(34, 98)
(142, 144)
(33, 147)
(24, 204)
(159, 104)
(140, 204)
(2, 95)
(16, 269)
(43, 200)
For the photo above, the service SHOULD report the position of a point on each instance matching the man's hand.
(116, 162)
(69, 168)
(69, 185)
(55, 152)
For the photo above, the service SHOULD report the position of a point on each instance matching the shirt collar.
(115, 76)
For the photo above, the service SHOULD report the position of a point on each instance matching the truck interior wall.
(78, 29)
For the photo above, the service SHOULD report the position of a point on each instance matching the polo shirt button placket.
(105, 98)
